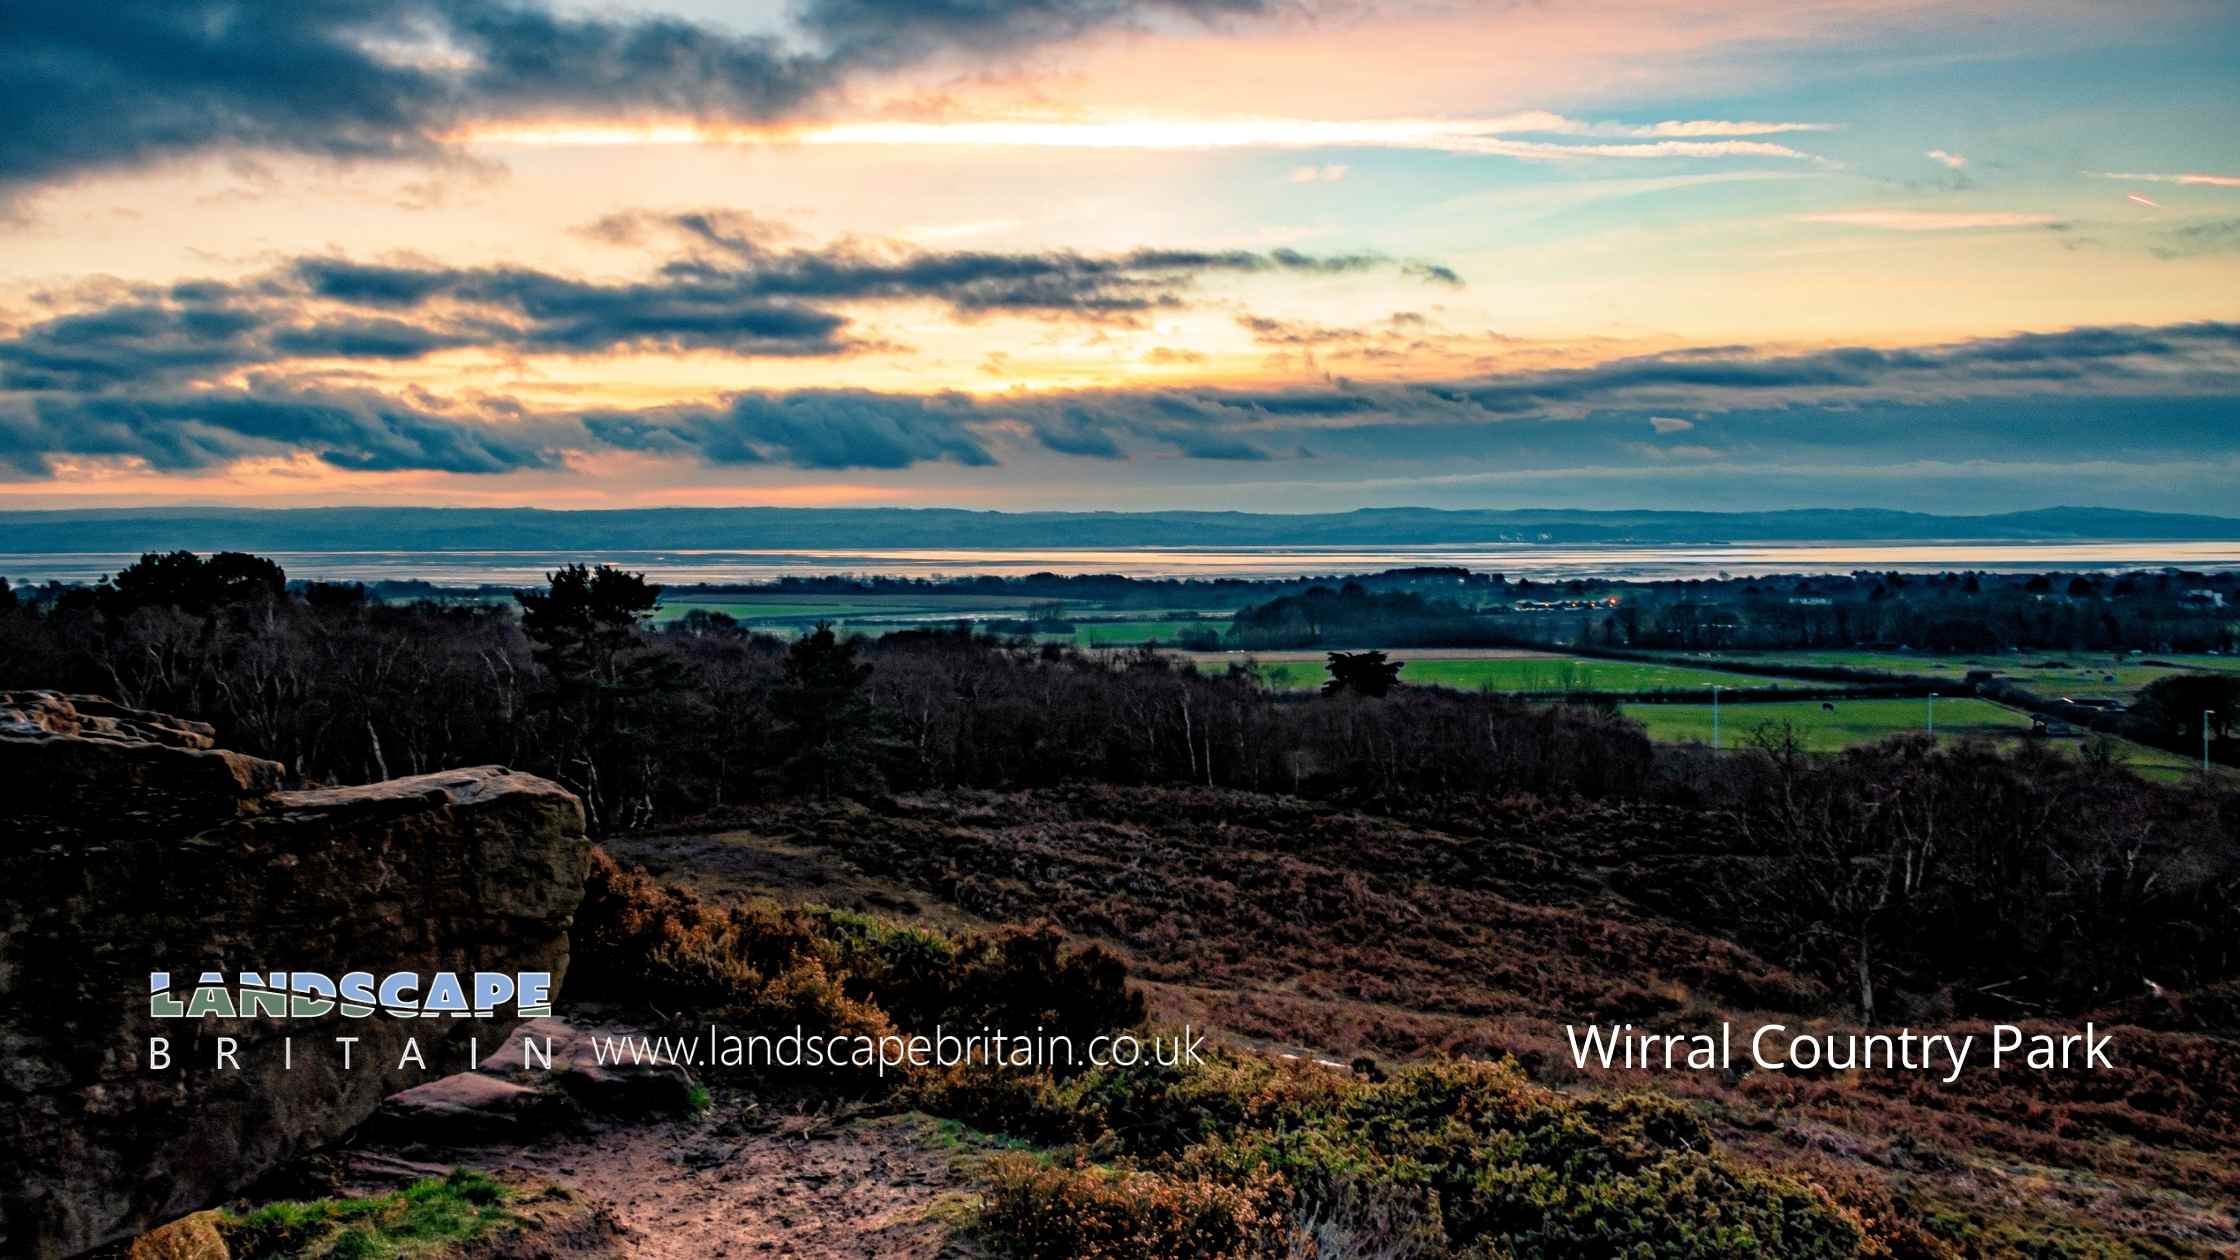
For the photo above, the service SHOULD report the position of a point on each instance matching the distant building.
(2102, 704)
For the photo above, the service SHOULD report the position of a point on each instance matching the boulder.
(517, 1097)
(135, 846)
(470, 1109)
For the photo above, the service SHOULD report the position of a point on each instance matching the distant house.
(2101, 704)
(1562, 605)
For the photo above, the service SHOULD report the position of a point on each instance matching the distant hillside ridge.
(789, 529)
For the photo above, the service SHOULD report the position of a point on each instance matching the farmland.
(1854, 722)
(2082, 673)
(1095, 627)
(1822, 730)
(1102, 634)
(1528, 673)
(797, 610)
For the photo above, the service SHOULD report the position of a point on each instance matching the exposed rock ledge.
(134, 845)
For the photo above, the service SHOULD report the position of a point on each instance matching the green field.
(1852, 722)
(754, 610)
(1531, 673)
(1093, 634)
(2078, 673)
(1866, 721)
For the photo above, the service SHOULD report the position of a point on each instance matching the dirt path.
(737, 1179)
(859, 1191)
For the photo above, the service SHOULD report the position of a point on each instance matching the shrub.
(761, 965)
(1083, 1212)
(1457, 1157)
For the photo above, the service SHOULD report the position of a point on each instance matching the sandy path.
(737, 1180)
(865, 1190)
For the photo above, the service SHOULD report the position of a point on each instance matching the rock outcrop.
(133, 845)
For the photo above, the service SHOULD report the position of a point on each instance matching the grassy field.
(1129, 633)
(2050, 675)
(796, 609)
(1865, 721)
(1852, 722)
(1531, 673)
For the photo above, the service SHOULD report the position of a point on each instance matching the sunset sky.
(1288, 255)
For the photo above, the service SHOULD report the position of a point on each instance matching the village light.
(1932, 713)
(2206, 714)
(1715, 717)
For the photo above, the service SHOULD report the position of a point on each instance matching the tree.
(2173, 704)
(1363, 673)
(190, 583)
(821, 705)
(607, 684)
(587, 622)
(1852, 850)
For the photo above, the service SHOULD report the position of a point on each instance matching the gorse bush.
(763, 967)
(1248, 1157)
(1085, 1212)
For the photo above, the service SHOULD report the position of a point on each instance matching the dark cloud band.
(89, 86)
(2087, 394)
(739, 298)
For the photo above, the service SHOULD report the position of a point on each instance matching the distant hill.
(790, 529)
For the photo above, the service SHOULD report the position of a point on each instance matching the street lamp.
(1932, 714)
(2206, 714)
(1715, 717)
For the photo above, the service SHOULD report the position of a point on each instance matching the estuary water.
(518, 568)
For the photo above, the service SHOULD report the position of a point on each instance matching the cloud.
(128, 82)
(1933, 220)
(890, 33)
(734, 293)
(1952, 160)
(1432, 273)
(1665, 425)
(2212, 236)
(825, 429)
(1329, 173)
(180, 432)
(1714, 127)
(1168, 356)
(1493, 137)
(2168, 390)
(2207, 181)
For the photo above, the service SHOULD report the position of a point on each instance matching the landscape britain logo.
(355, 995)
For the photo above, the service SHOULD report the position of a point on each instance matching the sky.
(1274, 255)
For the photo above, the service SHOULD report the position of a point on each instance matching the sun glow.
(1493, 136)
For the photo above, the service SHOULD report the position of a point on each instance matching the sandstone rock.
(470, 1109)
(547, 1077)
(630, 1090)
(71, 765)
(135, 846)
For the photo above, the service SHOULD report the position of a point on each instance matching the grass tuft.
(426, 1218)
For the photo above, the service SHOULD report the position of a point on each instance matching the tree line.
(652, 724)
